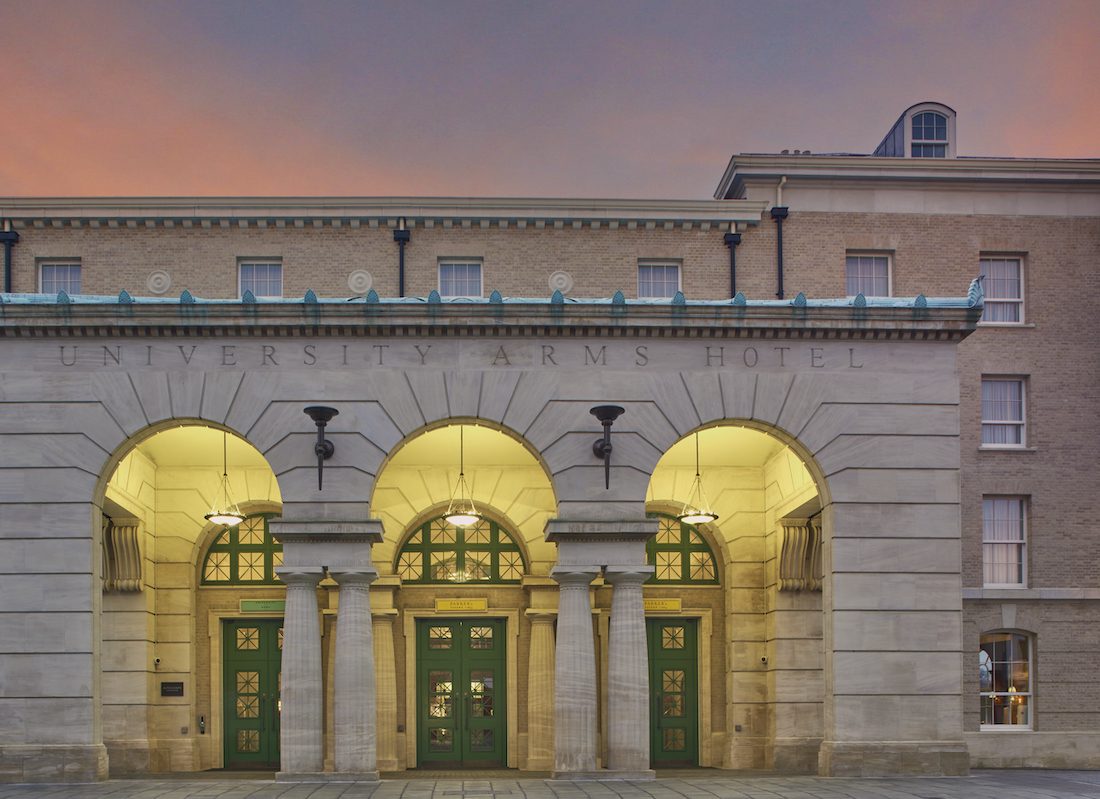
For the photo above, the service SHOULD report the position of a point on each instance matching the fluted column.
(628, 673)
(300, 740)
(540, 693)
(385, 678)
(574, 675)
(354, 714)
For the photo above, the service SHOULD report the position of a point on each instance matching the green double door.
(460, 692)
(252, 652)
(674, 687)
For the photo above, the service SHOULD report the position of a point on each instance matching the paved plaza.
(1001, 784)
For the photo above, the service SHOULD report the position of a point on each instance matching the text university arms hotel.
(334, 486)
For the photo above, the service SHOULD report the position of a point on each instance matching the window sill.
(1004, 728)
(1028, 325)
(997, 448)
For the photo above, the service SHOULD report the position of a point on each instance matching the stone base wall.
(996, 749)
(893, 758)
(39, 763)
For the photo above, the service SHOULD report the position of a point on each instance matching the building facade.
(842, 526)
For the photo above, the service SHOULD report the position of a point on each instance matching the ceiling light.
(461, 511)
(697, 509)
(227, 513)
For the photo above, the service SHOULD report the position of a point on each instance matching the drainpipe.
(732, 239)
(401, 236)
(779, 213)
(9, 237)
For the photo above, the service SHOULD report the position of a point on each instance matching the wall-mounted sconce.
(607, 414)
(323, 448)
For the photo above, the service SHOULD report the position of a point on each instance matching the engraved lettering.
(187, 356)
(115, 356)
(381, 351)
(721, 356)
(548, 355)
(591, 358)
(782, 351)
(501, 356)
(229, 355)
(852, 359)
(817, 358)
(63, 361)
(642, 352)
(310, 355)
(269, 354)
(750, 356)
(423, 352)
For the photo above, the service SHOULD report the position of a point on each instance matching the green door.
(250, 687)
(674, 686)
(460, 692)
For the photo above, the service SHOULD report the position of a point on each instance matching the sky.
(466, 98)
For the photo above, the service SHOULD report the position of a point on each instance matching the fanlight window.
(679, 554)
(438, 552)
(243, 555)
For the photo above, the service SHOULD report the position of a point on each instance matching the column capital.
(628, 575)
(299, 576)
(361, 577)
(574, 575)
(541, 616)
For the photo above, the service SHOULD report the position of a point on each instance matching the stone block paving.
(1000, 784)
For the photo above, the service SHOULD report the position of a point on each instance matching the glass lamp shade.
(462, 512)
(697, 517)
(226, 517)
(697, 510)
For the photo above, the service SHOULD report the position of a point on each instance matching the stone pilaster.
(301, 736)
(385, 678)
(354, 714)
(628, 674)
(574, 675)
(540, 693)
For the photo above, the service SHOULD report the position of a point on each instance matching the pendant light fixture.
(461, 511)
(227, 512)
(696, 509)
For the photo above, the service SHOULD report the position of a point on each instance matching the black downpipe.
(732, 240)
(9, 237)
(779, 213)
(401, 236)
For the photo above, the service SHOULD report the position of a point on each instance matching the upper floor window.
(868, 275)
(1004, 290)
(55, 276)
(680, 554)
(1002, 412)
(929, 135)
(658, 281)
(439, 552)
(1004, 677)
(263, 278)
(460, 278)
(1003, 541)
(243, 555)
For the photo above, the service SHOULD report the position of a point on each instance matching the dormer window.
(929, 135)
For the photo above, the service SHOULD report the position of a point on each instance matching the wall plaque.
(263, 605)
(673, 604)
(479, 603)
(171, 689)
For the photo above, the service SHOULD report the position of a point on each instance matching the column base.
(893, 758)
(327, 776)
(602, 774)
(46, 763)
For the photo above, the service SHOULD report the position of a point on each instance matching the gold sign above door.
(465, 605)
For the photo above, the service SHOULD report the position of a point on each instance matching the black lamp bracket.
(323, 448)
(601, 448)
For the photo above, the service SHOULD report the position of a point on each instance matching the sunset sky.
(457, 98)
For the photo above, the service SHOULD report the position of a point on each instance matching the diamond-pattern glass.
(440, 739)
(668, 531)
(250, 532)
(217, 567)
(672, 705)
(410, 565)
(248, 707)
(440, 694)
(679, 553)
(246, 554)
(248, 682)
(251, 566)
(478, 565)
(672, 680)
(511, 566)
(672, 638)
(438, 552)
(481, 638)
(668, 566)
(248, 638)
(441, 532)
(439, 638)
(477, 533)
(445, 566)
(248, 740)
(481, 740)
(702, 566)
(673, 740)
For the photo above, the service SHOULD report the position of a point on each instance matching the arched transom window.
(438, 552)
(679, 554)
(929, 135)
(243, 555)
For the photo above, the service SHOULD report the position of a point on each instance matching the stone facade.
(841, 632)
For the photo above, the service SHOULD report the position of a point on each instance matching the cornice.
(374, 212)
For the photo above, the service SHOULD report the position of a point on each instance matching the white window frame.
(1017, 301)
(463, 261)
(663, 262)
(1028, 695)
(1021, 423)
(46, 263)
(944, 142)
(243, 262)
(872, 254)
(989, 539)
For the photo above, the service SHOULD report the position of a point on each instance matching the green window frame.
(243, 555)
(679, 554)
(440, 553)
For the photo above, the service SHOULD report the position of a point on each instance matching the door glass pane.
(248, 638)
(481, 740)
(440, 695)
(481, 638)
(672, 638)
(672, 705)
(248, 682)
(481, 694)
(674, 740)
(440, 739)
(672, 680)
(439, 638)
(248, 707)
(248, 740)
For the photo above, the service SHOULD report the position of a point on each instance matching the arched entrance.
(173, 585)
(757, 700)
